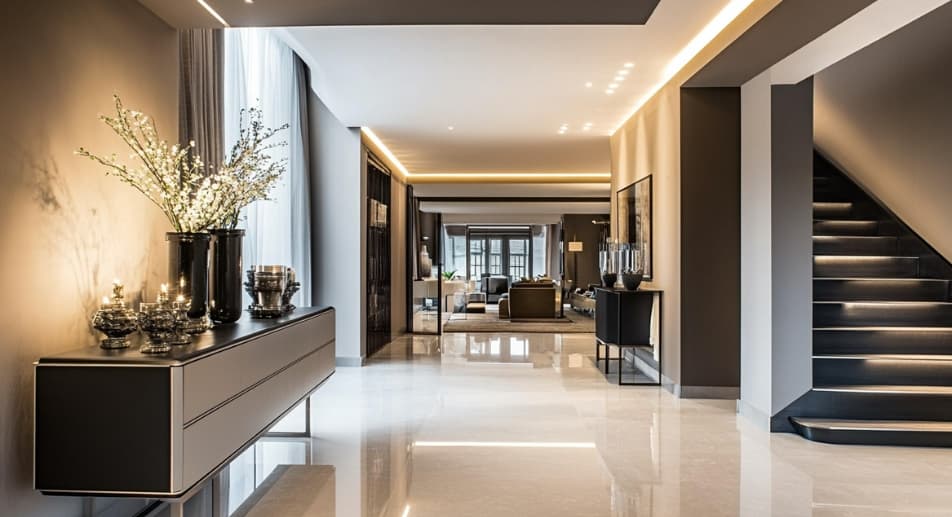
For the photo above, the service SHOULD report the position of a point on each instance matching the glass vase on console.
(608, 264)
(226, 275)
(631, 272)
(188, 274)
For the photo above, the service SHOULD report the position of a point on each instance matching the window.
(476, 256)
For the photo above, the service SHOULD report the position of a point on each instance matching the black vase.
(188, 269)
(632, 280)
(226, 288)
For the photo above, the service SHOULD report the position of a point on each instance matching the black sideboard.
(123, 423)
(623, 319)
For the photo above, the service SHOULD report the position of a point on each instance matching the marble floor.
(524, 425)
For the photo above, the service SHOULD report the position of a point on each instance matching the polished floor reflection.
(524, 425)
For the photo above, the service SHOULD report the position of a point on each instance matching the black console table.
(623, 320)
(121, 423)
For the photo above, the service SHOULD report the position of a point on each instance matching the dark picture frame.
(634, 218)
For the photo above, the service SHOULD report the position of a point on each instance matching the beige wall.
(66, 230)
(398, 262)
(649, 143)
(885, 116)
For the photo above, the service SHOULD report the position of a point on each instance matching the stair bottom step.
(915, 433)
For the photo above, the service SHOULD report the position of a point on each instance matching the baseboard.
(753, 415)
(349, 362)
(708, 392)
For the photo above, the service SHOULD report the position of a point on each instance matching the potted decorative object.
(195, 199)
(426, 264)
(248, 175)
(449, 275)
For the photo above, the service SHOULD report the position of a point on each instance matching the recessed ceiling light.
(619, 78)
(249, 1)
(588, 84)
(589, 124)
(450, 128)
(609, 92)
(629, 65)
(624, 72)
(613, 86)
(586, 128)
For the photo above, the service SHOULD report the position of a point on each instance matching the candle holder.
(115, 320)
(158, 322)
(271, 289)
(290, 290)
(179, 335)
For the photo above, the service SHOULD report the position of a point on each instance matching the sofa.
(494, 287)
(533, 300)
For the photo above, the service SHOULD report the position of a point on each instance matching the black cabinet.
(623, 319)
(121, 423)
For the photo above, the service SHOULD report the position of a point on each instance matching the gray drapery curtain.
(201, 92)
(301, 183)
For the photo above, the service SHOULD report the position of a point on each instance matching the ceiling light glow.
(587, 128)
(588, 84)
(609, 92)
(450, 128)
(213, 13)
(624, 72)
(384, 149)
(613, 86)
(707, 34)
(619, 78)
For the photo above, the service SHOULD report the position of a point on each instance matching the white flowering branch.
(175, 180)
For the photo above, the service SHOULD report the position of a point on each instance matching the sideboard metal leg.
(176, 509)
(220, 494)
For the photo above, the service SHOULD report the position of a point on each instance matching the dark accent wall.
(710, 237)
(579, 227)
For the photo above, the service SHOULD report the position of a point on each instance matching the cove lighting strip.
(707, 34)
(213, 13)
(384, 149)
(511, 445)
(440, 176)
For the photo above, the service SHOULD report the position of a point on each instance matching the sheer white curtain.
(260, 72)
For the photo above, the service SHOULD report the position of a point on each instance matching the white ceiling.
(506, 90)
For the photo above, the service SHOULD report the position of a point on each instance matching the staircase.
(882, 318)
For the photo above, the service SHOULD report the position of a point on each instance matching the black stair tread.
(886, 328)
(865, 257)
(874, 278)
(887, 357)
(888, 388)
(876, 425)
(849, 221)
(883, 302)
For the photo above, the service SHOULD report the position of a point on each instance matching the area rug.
(572, 323)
